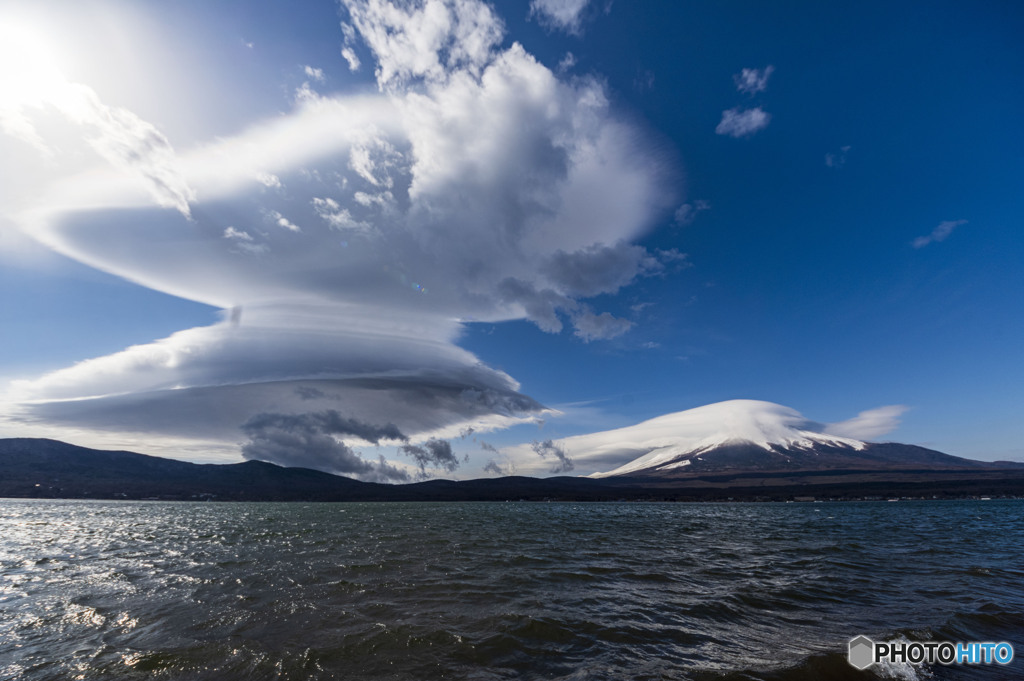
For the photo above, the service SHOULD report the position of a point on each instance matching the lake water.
(481, 591)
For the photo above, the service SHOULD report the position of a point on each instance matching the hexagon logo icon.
(862, 652)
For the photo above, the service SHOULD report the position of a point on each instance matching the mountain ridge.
(51, 469)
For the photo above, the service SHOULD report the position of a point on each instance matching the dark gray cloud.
(433, 453)
(307, 393)
(599, 268)
(499, 464)
(417, 405)
(329, 421)
(307, 441)
(541, 307)
(493, 466)
(548, 449)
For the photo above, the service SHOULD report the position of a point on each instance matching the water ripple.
(138, 590)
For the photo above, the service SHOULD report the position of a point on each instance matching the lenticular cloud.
(354, 236)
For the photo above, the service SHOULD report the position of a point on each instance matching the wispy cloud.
(643, 81)
(347, 51)
(244, 242)
(432, 454)
(565, 15)
(752, 81)
(350, 56)
(687, 212)
(940, 233)
(269, 180)
(331, 212)
(281, 221)
(869, 424)
(837, 159)
(549, 450)
(567, 62)
(743, 122)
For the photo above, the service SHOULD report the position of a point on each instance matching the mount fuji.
(749, 436)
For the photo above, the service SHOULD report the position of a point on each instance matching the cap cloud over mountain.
(744, 435)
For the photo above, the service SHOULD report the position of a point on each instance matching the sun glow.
(30, 73)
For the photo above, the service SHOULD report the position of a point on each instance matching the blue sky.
(393, 242)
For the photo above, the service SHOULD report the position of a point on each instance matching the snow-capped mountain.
(748, 435)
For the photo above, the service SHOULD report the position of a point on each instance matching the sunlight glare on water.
(133, 590)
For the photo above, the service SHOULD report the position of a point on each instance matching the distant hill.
(49, 469)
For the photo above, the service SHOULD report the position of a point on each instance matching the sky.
(440, 238)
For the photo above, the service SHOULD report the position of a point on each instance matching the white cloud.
(244, 243)
(314, 73)
(752, 81)
(565, 15)
(375, 159)
(869, 424)
(742, 122)
(347, 51)
(282, 221)
(269, 180)
(207, 382)
(381, 199)
(493, 189)
(232, 233)
(426, 40)
(940, 233)
(331, 212)
(305, 94)
(350, 56)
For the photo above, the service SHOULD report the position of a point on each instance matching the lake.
(481, 591)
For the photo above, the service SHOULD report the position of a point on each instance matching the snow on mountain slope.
(674, 440)
(728, 436)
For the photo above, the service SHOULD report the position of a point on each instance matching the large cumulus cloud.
(354, 236)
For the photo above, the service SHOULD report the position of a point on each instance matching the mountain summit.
(751, 435)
